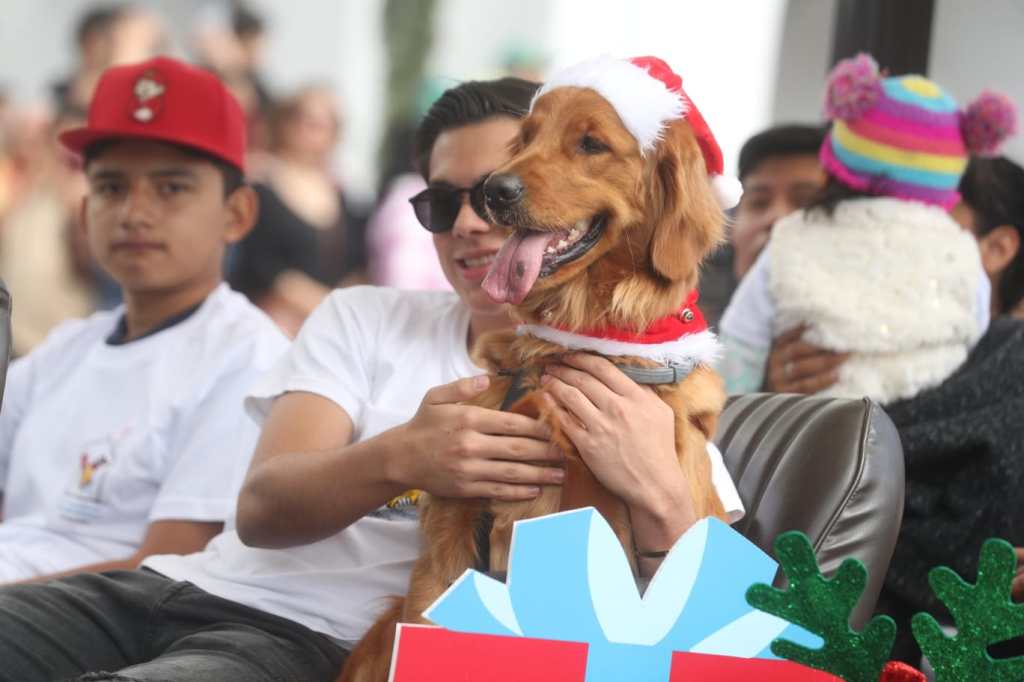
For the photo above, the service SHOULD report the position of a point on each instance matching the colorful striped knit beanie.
(904, 136)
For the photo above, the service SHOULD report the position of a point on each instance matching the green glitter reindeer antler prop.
(823, 606)
(984, 615)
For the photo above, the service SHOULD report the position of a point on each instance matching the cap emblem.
(149, 101)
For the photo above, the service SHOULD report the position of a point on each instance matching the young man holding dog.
(122, 435)
(362, 412)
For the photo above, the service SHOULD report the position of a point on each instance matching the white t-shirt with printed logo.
(99, 440)
(375, 352)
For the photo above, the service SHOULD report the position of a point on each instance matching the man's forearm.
(658, 525)
(297, 499)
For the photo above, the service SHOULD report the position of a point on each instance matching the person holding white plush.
(876, 267)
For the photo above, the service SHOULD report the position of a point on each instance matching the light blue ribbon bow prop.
(569, 580)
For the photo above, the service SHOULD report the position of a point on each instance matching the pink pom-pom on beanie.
(853, 88)
(988, 122)
(904, 136)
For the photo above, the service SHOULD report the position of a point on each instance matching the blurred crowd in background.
(325, 224)
(312, 235)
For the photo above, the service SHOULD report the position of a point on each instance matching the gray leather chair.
(5, 336)
(832, 468)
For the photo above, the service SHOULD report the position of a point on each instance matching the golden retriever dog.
(603, 234)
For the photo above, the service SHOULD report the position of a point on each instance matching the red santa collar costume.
(682, 340)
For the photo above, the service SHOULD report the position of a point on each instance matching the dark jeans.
(140, 625)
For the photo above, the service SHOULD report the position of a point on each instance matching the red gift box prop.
(431, 654)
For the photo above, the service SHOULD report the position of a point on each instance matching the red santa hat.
(647, 95)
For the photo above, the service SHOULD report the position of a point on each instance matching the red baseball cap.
(166, 100)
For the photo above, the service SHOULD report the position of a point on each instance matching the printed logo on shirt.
(403, 507)
(89, 466)
(85, 495)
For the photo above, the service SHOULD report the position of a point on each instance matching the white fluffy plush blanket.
(892, 282)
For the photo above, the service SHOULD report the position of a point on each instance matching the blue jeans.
(130, 626)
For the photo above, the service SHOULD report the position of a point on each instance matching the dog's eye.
(592, 145)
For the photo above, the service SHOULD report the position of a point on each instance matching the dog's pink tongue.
(516, 267)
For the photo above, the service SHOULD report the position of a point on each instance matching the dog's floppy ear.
(681, 206)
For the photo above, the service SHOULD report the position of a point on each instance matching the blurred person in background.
(138, 33)
(308, 239)
(94, 45)
(780, 172)
(250, 31)
(396, 242)
(43, 258)
(992, 208)
(840, 269)
(963, 441)
(8, 171)
(230, 40)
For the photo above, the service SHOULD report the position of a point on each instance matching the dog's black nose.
(503, 190)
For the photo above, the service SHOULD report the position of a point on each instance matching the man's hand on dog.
(469, 451)
(795, 366)
(625, 434)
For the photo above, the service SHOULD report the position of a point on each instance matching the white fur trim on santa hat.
(643, 102)
(727, 189)
(688, 351)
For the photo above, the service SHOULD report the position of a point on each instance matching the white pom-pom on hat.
(727, 189)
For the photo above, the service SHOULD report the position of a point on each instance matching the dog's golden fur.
(661, 220)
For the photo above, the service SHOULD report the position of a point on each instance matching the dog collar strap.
(651, 376)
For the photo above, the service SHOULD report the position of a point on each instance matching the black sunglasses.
(437, 207)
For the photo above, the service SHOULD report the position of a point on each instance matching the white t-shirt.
(99, 440)
(375, 352)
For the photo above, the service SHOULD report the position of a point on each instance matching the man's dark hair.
(994, 189)
(94, 21)
(232, 176)
(471, 102)
(782, 140)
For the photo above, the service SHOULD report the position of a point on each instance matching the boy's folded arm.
(162, 537)
(16, 396)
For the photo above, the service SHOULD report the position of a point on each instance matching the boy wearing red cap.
(123, 434)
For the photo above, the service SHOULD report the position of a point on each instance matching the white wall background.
(804, 54)
(978, 45)
(975, 45)
(726, 52)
